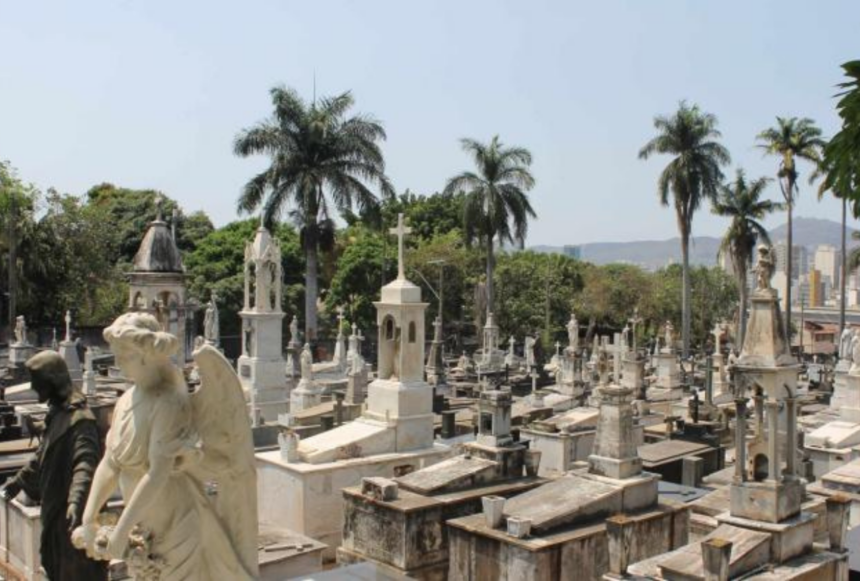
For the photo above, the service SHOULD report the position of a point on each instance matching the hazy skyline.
(151, 95)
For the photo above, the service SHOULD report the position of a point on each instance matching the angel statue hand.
(94, 539)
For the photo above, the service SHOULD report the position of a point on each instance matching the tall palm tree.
(791, 139)
(693, 175)
(841, 163)
(319, 159)
(496, 203)
(741, 201)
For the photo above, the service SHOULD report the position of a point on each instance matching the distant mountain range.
(653, 254)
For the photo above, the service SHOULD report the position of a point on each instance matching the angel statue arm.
(161, 456)
(105, 481)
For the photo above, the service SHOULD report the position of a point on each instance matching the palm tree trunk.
(685, 296)
(490, 288)
(843, 275)
(311, 286)
(788, 263)
(742, 308)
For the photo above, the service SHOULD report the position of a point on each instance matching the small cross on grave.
(634, 321)
(68, 326)
(400, 231)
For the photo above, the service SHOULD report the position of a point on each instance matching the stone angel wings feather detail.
(226, 470)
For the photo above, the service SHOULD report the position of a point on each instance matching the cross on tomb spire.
(400, 231)
(159, 200)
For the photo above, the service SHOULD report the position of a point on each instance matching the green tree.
(129, 213)
(536, 294)
(792, 139)
(741, 201)
(841, 163)
(361, 271)
(610, 294)
(842, 153)
(428, 216)
(319, 158)
(693, 175)
(18, 204)
(78, 271)
(496, 203)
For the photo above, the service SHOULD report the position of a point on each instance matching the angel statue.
(184, 464)
(764, 267)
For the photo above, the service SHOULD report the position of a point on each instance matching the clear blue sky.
(151, 93)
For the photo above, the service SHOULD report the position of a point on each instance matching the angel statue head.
(139, 345)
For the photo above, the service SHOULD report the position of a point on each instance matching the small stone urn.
(519, 527)
(532, 462)
(493, 507)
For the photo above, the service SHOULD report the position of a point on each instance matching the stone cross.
(437, 329)
(634, 321)
(68, 326)
(557, 348)
(159, 199)
(718, 332)
(400, 231)
(340, 311)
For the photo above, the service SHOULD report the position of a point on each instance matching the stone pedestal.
(615, 452)
(668, 384)
(261, 367)
(70, 354)
(767, 501)
(304, 396)
(19, 353)
(20, 538)
(846, 398)
(633, 373)
(720, 383)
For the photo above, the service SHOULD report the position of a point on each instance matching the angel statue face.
(140, 346)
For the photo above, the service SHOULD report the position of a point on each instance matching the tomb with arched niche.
(157, 285)
(394, 435)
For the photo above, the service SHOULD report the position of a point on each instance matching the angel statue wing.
(221, 419)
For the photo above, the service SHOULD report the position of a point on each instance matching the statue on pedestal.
(669, 332)
(307, 363)
(845, 343)
(20, 330)
(573, 333)
(764, 267)
(60, 473)
(183, 462)
(855, 353)
(211, 323)
(529, 351)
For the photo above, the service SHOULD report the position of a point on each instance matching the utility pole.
(13, 262)
(441, 296)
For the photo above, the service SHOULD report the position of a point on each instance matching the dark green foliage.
(364, 264)
(129, 212)
(842, 153)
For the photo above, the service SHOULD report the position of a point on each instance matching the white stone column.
(791, 436)
(740, 440)
(773, 440)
